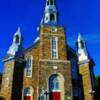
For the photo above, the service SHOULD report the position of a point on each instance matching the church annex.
(49, 69)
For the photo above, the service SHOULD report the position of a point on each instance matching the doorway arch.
(56, 87)
(28, 93)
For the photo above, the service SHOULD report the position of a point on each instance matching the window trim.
(56, 50)
(29, 76)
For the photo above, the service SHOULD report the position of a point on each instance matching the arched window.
(52, 17)
(29, 62)
(47, 2)
(54, 83)
(27, 93)
(51, 2)
(56, 87)
(82, 44)
(54, 48)
(17, 38)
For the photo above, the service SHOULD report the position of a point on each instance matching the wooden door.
(27, 97)
(55, 96)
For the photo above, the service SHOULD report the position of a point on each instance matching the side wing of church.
(49, 69)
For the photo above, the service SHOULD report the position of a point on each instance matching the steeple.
(17, 37)
(50, 16)
(17, 43)
(82, 52)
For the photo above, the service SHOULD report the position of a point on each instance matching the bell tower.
(13, 69)
(86, 72)
(50, 12)
(17, 43)
(55, 81)
(82, 52)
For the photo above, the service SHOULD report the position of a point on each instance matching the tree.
(98, 87)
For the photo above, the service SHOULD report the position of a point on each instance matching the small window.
(48, 2)
(17, 38)
(52, 17)
(27, 94)
(27, 91)
(54, 48)
(82, 44)
(7, 76)
(51, 2)
(46, 18)
(29, 61)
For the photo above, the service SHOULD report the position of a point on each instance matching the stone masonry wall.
(86, 80)
(6, 91)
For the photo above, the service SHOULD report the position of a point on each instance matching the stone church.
(49, 69)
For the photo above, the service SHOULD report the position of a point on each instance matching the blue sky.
(76, 16)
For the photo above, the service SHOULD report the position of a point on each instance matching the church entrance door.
(27, 93)
(54, 87)
(27, 97)
(55, 96)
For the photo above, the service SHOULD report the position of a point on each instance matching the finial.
(18, 30)
(79, 37)
(17, 36)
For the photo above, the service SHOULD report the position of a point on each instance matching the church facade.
(49, 69)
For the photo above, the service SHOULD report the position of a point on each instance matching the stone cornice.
(49, 60)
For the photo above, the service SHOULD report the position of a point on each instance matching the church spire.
(50, 16)
(17, 38)
(17, 43)
(82, 52)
